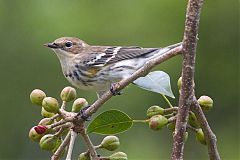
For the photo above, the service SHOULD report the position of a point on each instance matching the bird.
(95, 67)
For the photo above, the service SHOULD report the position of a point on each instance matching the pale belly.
(103, 78)
(90, 85)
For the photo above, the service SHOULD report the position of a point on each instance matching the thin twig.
(61, 148)
(172, 119)
(92, 149)
(208, 133)
(71, 145)
(191, 128)
(170, 110)
(55, 116)
(59, 123)
(65, 114)
(188, 69)
(63, 126)
(95, 147)
(64, 104)
(60, 130)
(67, 117)
(168, 115)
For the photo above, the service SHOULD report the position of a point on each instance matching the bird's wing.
(115, 54)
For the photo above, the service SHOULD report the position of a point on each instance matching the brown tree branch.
(188, 69)
(208, 133)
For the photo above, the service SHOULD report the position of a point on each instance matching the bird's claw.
(83, 115)
(113, 90)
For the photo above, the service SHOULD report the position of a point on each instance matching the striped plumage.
(97, 67)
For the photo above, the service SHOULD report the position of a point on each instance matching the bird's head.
(67, 46)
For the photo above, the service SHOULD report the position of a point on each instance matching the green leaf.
(157, 81)
(110, 122)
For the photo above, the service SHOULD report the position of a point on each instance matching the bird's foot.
(113, 89)
(83, 115)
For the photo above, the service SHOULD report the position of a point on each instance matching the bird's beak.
(51, 45)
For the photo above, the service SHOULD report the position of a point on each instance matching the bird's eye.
(68, 44)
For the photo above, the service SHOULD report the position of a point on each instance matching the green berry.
(33, 135)
(193, 120)
(68, 94)
(154, 110)
(118, 156)
(185, 136)
(84, 156)
(58, 143)
(205, 102)
(48, 142)
(171, 126)
(110, 143)
(50, 105)
(179, 83)
(45, 121)
(37, 96)
(46, 114)
(78, 104)
(200, 136)
(157, 122)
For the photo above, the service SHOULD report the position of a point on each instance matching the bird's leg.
(83, 115)
(113, 89)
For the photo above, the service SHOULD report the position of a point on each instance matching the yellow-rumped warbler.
(97, 67)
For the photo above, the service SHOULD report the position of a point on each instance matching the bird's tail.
(163, 50)
(174, 45)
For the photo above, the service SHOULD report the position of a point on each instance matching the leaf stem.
(140, 121)
(168, 102)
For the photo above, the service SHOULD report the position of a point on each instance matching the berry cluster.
(51, 136)
(160, 117)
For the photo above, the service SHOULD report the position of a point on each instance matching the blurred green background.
(25, 64)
